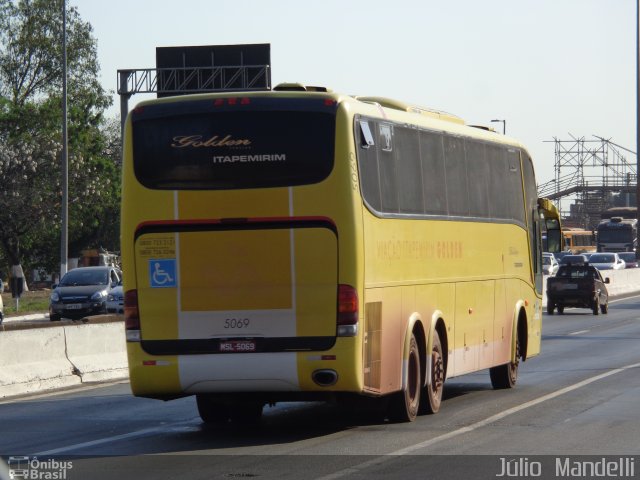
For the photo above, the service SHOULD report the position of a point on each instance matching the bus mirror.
(554, 241)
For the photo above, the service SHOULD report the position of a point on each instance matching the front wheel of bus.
(211, 411)
(404, 405)
(433, 391)
(505, 376)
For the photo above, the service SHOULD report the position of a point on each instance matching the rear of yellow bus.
(239, 249)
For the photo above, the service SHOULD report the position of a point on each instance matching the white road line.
(124, 436)
(482, 423)
(579, 332)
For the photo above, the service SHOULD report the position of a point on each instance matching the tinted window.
(456, 176)
(478, 171)
(410, 171)
(208, 145)
(368, 163)
(407, 145)
(435, 190)
(387, 167)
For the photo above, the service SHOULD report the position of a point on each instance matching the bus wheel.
(433, 392)
(403, 406)
(211, 411)
(246, 413)
(505, 376)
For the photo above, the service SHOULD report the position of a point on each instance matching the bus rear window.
(218, 145)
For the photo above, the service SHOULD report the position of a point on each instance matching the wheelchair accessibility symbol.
(162, 273)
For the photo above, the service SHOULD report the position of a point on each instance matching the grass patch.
(30, 302)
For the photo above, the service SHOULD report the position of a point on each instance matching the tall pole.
(65, 154)
(638, 118)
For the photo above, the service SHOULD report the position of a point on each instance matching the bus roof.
(389, 109)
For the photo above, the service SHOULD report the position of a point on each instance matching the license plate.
(73, 306)
(237, 346)
(570, 286)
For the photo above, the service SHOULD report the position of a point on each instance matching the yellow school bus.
(579, 241)
(300, 244)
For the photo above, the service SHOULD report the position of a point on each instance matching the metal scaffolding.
(591, 175)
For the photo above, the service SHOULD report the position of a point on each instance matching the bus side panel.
(503, 325)
(440, 297)
(386, 357)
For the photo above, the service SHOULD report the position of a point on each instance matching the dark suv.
(82, 292)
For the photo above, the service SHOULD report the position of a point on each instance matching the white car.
(607, 261)
(549, 264)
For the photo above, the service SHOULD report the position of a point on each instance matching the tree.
(30, 131)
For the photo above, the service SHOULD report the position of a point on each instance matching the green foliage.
(31, 137)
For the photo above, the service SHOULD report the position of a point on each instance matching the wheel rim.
(513, 366)
(437, 380)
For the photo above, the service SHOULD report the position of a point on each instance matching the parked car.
(573, 260)
(577, 286)
(607, 261)
(115, 300)
(630, 259)
(83, 291)
(549, 264)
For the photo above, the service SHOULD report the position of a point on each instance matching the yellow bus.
(579, 241)
(300, 244)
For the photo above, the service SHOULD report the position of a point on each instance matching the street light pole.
(504, 125)
(638, 118)
(65, 154)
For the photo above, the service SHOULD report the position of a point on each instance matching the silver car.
(115, 300)
(607, 261)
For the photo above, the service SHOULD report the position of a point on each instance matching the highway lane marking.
(579, 332)
(179, 426)
(358, 469)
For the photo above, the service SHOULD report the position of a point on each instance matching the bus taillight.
(131, 316)
(347, 311)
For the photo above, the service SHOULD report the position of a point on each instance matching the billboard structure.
(182, 70)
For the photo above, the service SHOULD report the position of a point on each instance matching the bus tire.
(404, 405)
(433, 392)
(505, 376)
(211, 411)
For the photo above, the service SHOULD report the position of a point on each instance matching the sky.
(550, 68)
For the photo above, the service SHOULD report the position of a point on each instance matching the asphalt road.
(580, 397)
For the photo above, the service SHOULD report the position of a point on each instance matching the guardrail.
(37, 356)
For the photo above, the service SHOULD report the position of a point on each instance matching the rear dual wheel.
(415, 398)
(404, 404)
